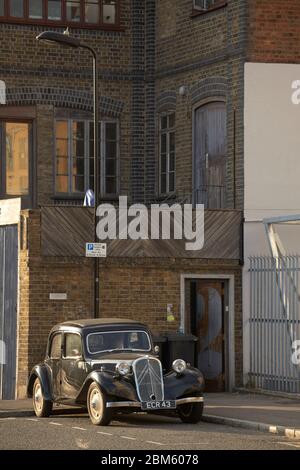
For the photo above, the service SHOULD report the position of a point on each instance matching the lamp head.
(64, 39)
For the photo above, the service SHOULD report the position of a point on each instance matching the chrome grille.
(149, 379)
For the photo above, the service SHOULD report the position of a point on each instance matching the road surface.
(73, 430)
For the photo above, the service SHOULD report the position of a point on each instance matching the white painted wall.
(272, 163)
(10, 211)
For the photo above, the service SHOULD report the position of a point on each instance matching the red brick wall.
(273, 34)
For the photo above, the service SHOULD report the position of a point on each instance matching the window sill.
(166, 197)
(197, 13)
(80, 197)
(109, 197)
(69, 197)
(53, 24)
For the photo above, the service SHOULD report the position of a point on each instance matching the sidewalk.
(254, 411)
(10, 408)
(265, 413)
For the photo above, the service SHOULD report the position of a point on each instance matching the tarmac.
(274, 414)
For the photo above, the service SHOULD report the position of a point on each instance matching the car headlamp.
(123, 368)
(179, 366)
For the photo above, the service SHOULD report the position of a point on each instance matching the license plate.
(158, 405)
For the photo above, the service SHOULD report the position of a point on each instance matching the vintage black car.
(110, 366)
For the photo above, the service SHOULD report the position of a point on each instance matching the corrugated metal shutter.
(8, 309)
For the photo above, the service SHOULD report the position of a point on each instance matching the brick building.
(171, 86)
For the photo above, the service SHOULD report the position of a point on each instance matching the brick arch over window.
(166, 101)
(63, 98)
(213, 86)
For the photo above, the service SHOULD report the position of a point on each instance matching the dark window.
(16, 8)
(55, 348)
(210, 142)
(73, 347)
(54, 10)
(73, 11)
(82, 13)
(110, 144)
(206, 4)
(75, 157)
(167, 153)
(91, 11)
(35, 9)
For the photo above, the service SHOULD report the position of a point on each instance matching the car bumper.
(137, 404)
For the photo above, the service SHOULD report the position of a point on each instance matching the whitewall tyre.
(96, 404)
(42, 407)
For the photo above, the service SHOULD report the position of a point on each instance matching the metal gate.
(8, 309)
(275, 323)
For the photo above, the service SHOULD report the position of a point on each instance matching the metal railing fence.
(274, 323)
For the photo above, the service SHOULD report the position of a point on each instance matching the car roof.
(91, 322)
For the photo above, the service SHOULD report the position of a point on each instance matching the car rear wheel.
(96, 403)
(42, 407)
(191, 412)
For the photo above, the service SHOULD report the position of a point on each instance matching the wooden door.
(207, 317)
(210, 155)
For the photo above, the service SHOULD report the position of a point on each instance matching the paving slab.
(254, 411)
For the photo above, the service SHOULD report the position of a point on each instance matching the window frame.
(56, 333)
(102, 156)
(200, 10)
(63, 22)
(167, 132)
(27, 199)
(64, 343)
(115, 331)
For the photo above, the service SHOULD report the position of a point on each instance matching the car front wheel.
(96, 403)
(42, 407)
(191, 412)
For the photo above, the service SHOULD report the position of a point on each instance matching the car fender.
(40, 371)
(191, 382)
(110, 384)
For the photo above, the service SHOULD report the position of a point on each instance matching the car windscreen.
(129, 340)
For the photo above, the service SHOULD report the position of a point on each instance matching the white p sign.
(2, 92)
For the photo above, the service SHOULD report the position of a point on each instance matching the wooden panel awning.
(66, 230)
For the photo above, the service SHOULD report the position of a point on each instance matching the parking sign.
(95, 250)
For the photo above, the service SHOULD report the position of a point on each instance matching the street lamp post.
(50, 37)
